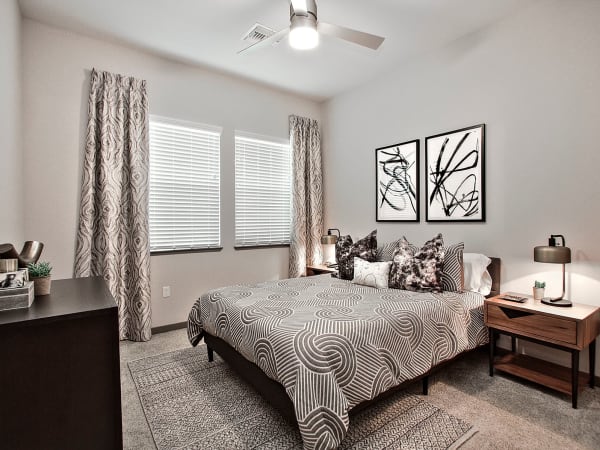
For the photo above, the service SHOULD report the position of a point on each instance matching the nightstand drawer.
(531, 324)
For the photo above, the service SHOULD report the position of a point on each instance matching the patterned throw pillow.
(453, 279)
(385, 252)
(374, 274)
(345, 251)
(419, 270)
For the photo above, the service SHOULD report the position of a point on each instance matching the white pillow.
(374, 274)
(477, 277)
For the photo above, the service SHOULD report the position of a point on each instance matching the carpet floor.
(192, 403)
(508, 413)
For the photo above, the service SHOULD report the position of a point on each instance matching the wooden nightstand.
(569, 329)
(319, 269)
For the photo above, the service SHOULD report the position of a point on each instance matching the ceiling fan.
(305, 28)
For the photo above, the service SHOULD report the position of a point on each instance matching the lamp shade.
(552, 254)
(328, 239)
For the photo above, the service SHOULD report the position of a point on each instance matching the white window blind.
(263, 190)
(184, 185)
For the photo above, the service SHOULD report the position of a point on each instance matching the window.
(184, 185)
(263, 190)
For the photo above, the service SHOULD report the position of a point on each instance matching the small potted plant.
(538, 290)
(39, 273)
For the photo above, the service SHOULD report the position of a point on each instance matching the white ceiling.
(209, 32)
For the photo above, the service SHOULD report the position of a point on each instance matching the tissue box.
(17, 297)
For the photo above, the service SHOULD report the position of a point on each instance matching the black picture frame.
(455, 175)
(397, 182)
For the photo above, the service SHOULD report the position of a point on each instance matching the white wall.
(57, 67)
(534, 79)
(11, 167)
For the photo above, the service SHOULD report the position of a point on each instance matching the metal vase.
(9, 265)
(31, 252)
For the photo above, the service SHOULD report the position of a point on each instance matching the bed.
(319, 347)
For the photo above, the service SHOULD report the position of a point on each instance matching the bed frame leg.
(210, 354)
(426, 385)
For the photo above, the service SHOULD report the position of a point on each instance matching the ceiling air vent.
(258, 33)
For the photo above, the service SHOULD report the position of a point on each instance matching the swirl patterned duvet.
(333, 344)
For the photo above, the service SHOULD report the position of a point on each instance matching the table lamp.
(554, 254)
(330, 239)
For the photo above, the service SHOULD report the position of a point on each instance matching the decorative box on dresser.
(570, 329)
(59, 370)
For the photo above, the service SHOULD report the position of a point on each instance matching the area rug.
(191, 403)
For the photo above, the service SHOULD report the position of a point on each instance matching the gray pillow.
(418, 269)
(346, 250)
(453, 279)
(385, 252)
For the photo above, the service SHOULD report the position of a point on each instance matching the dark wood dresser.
(59, 370)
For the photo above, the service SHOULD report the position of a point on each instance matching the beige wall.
(534, 79)
(11, 161)
(57, 67)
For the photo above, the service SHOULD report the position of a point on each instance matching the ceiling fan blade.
(348, 34)
(299, 6)
(272, 40)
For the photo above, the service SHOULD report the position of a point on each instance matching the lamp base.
(562, 302)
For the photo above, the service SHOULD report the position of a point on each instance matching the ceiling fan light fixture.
(305, 28)
(303, 33)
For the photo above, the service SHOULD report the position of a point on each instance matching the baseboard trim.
(170, 327)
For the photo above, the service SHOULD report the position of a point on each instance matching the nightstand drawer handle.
(514, 313)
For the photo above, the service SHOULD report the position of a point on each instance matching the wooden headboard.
(494, 270)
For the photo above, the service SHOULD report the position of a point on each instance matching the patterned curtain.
(307, 192)
(112, 240)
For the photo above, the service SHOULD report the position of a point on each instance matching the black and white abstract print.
(398, 182)
(455, 175)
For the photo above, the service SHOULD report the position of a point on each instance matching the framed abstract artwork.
(455, 175)
(397, 180)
